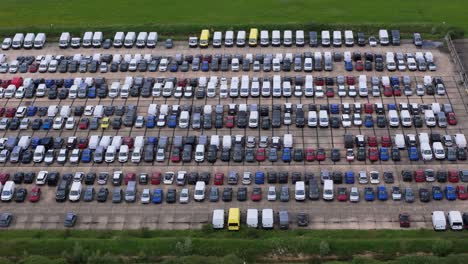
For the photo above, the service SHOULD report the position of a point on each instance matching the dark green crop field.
(182, 16)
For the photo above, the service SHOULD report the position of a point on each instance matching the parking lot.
(49, 214)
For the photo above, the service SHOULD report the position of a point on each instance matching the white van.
(118, 39)
(300, 40)
(52, 110)
(64, 40)
(75, 192)
(94, 142)
(229, 38)
(299, 192)
(29, 41)
(454, 219)
(328, 190)
(39, 153)
(141, 39)
(117, 141)
(426, 151)
(252, 218)
(267, 219)
(97, 39)
(200, 153)
(105, 141)
(8, 191)
(217, 39)
(287, 38)
(123, 153)
(405, 118)
(152, 40)
(429, 118)
(253, 119)
(390, 60)
(87, 39)
(323, 118)
(288, 140)
(264, 38)
(349, 38)
(276, 38)
(129, 39)
(460, 140)
(383, 37)
(18, 40)
(98, 111)
(240, 40)
(218, 219)
(312, 119)
(110, 154)
(326, 38)
(65, 111)
(393, 119)
(184, 119)
(439, 223)
(199, 193)
(337, 41)
(400, 141)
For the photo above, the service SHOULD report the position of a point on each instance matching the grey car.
(214, 194)
(70, 219)
(89, 194)
(117, 195)
(273, 155)
(314, 192)
(5, 219)
(409, 195)
(284, 194)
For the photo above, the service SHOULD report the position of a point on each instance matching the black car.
(20, 195)
(461, 154)
(388, 177)
(53, 178)
(272, 177)
(302, 219)
(114, 67)
(296, 176)
(250, 155)
(396, 154)
(192, 178)
(298, 155)
(116, 123)
(102, 195)
(335, 155)
(381, 121)
(212, 153)
(361, 154)
(283, 177)
(14, 124)
(171, 196)
(78, 110)
(27, 156)
(29, 177)
(237, 154)
(241, 194)
(90, 178)
(18, 177)
(424, 195)
(335, 122)
(407, 175)
(227, 194)
(417, 121)
(441, 176)
(63, 93)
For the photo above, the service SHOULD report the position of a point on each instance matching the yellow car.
(105, 123)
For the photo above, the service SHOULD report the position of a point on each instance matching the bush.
(324, 248)
(442, 248)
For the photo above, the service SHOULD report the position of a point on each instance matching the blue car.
(394, 80)
(369, 194)
(437, 193)
(47, 124)
(35, 141)
(32, 110)
(157, 196)
(391, 107)
(450, 193)
(348, 65)
(152, 140)
(172, 122)
(382, 193)
(68, 83)
(349, 177)
(384, 155)
(259, 177)
(92, 92)
(205, 66)
(286, 155)
(368, 121)
(413, 154)
(174, 67)
(49, 83)
(334, 109)
(86, 156)
(150, 121)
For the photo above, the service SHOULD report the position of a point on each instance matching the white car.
(41, 177)
(168, 177)
(271, 195)
(58, 123)
(345, 120)
(374, 177)
(319, 92)
(62, 156)
(70, 123)
(184, 196)
(363, 179)
(287, 119)
(89, 109)
(103, 67)
(19, 94)
(136, 155)
(352, 92)
(354, 195)
(145, 196)
(341, 91)
(160, 155)
(4, 123)
(24, 124)
(375, 91)
(161, 121)
(4, 154)
(178, 92)
(420, 90)
(75, 156)
(439, 151)
(357, 119)
(140, 121)
(396, 193)
(247, 178)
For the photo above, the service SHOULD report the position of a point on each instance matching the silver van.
(130, 192)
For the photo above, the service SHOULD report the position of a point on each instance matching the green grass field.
(83, 14)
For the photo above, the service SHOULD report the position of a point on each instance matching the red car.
(261, 155)
(5, 83)
(386, 141)
(175, 155)
(10, 112)
(453, 176)
(310, 154)
(230, 121)
(130, 176)
(342, 197)
(128, 141)
(256, 194)
(419, 175)
(84, 123)
(318, 81)
(321, 154)
(33, 67)
(368, 108)
(404, 220)
(396, 91)
(156, 178)
(388, 91)
(83, 143)
(330, 92)
(350, 80)
(451, 119)
(35, 194)
(2, 111)
(373, 154)
(372, 141)
(219, 178)
(4, 177)
(461, 192)
(17, 81)
(359, 66)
